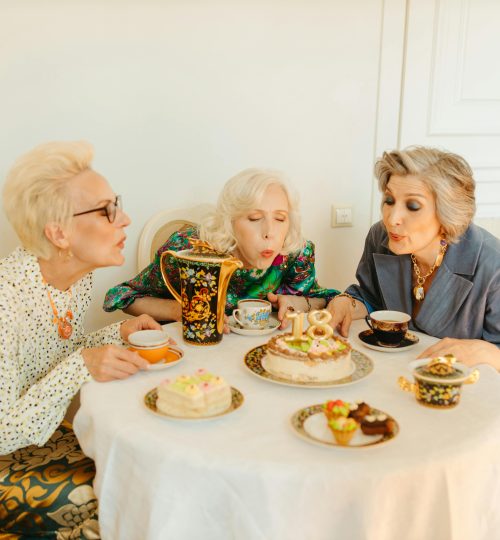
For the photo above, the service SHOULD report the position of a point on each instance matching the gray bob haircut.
(448, 176)
(242, 193)
(36, 191)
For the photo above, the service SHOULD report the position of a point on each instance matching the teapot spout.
(227, 268)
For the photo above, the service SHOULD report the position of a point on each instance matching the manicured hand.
(284, 303)
(142, 322)
(112, 362)
(341, 310)
(467, 351)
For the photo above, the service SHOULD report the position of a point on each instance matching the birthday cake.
(315, 356)
(194, 396)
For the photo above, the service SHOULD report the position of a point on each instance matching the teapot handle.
(164, 274)
(406, 385)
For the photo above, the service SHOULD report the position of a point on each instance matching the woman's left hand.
(287, 303)
(467, 351)
(142, 322)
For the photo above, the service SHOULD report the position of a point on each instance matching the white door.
(451, 89)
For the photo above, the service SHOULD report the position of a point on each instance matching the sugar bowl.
(438, 381)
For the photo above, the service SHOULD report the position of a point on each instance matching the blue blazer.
(463, 300)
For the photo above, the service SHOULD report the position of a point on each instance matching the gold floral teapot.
(204, 277)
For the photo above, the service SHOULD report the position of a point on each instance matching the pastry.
(358, 410)
(192, 396)
(379, 424)
(335, 409)
(343, 429)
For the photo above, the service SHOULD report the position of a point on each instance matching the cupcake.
(335, 409)
(343, 429)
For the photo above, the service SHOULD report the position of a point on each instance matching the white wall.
(177, 96)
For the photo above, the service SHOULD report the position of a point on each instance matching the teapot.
(204, 275)
(438, 381)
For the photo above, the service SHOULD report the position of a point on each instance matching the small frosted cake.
(194, 396)
(309, 359)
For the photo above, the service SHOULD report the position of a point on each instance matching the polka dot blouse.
(39, 372)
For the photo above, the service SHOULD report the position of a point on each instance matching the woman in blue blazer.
(428, 259)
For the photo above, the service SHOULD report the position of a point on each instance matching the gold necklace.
(64, 327)
(418, 291)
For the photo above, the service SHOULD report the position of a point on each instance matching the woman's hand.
(467, 351)
(112, 362)
(343, 313)
(285, 303)
(143, 322)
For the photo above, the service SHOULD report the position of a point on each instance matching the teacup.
(389, 327)
(253, 314)
(438, 381)
(152, 345)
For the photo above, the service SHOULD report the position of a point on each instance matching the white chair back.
(158, 229)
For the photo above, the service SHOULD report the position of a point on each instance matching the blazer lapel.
(443, 300)
(394, 277)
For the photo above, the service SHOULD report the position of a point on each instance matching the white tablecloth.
(247, 475)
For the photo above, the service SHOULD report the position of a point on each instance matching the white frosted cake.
(309, 359)
(194, 396)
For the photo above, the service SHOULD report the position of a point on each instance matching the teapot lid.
(441, 369)
(203, 251)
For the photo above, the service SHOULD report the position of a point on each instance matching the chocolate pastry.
(359, 410)
(377, 425)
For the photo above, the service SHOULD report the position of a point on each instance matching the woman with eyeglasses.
(69, 223)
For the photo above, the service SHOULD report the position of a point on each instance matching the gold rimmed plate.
(367, 337)
(363, 366)
(311, 425)
(150, 398)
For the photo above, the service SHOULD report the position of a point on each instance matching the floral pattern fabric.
(47, 492)
(292, 274)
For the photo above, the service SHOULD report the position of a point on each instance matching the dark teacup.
(389, 327)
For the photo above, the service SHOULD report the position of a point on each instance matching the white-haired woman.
(69, 222)
(428, 259)
(258, 221)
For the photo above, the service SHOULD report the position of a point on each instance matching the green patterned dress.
(292, 274)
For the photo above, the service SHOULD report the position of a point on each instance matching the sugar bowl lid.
(441, 369)
(148, 338)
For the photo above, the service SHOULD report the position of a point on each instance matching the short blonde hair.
(448, 176)
(242, 193)
(35, 191)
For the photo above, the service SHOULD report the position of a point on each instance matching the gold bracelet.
(347, 295)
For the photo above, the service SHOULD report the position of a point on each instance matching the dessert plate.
(164, 364)
(368, 339)
(151, 397)
(363, 367)
(311, 425)
(272, 325)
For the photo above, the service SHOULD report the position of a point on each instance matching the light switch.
(341, 216)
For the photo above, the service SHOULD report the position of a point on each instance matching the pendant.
(418, 292)
(64, 328)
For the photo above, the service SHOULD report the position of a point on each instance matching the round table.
(247, 475)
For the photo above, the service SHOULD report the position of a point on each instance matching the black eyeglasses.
(110, 209)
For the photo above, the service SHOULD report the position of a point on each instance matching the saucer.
(272, 325)
(368, 339)
(150, 398)
(164, 364)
